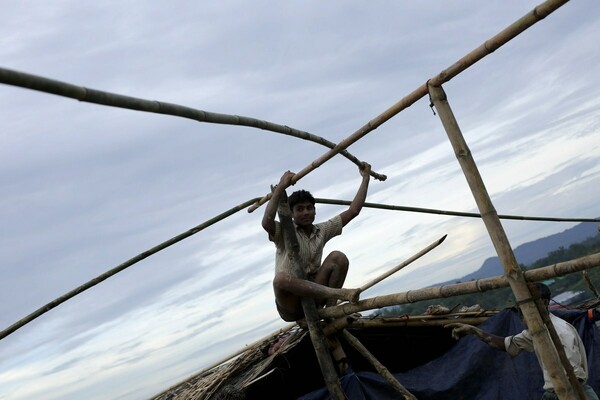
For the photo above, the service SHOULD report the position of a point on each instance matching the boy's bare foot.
(351, 295)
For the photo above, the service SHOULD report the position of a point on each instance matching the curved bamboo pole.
(54, 303)
(489, 46)
(475, 286)
(34, 82)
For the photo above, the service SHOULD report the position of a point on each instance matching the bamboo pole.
(572, 378)
(474, 286)
(453, 213)
(489, 46)
(588, 280)
(545, 348)
(402, 264)
(308, 304)
(416, 321)
(34, 82)
(381, 369)
(100, 278)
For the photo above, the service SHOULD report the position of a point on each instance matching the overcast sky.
(85, 187)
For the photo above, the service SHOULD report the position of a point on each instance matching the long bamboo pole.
(544, 345)
(64, 89)
(379, 367)
(489, 46)
(453, 213)
(308, 304)
(474, 286)
(100, 278)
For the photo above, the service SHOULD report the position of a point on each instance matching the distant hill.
(529, 252)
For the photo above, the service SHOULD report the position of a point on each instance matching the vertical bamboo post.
(546, 351)
(308, 304)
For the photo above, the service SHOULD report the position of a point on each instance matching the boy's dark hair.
(543, 291)
(300, 196)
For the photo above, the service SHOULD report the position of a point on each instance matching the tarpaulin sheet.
(472, 370)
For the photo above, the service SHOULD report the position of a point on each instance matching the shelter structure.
(381, 351)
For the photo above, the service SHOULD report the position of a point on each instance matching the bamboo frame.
(489, 46)
(56, 302)
(545, 348)
(64, 89)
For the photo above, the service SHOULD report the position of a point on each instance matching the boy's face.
(304, 213)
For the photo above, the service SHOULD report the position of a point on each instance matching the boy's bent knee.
(338, 258)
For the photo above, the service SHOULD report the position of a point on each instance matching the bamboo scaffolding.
(308, 304)
(474, 286)
(381, 369)
(402, 264)
(489, 46)
(545, 348)
(64, 89)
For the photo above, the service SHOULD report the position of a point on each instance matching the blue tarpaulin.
(472, 370)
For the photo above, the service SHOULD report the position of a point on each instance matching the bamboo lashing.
(545, 348)
(64, 89)
(489, 46)
(402, 264)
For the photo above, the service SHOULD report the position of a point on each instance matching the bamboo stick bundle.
(489, 46)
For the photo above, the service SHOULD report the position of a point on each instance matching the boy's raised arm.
(360, 197)
(268, 221)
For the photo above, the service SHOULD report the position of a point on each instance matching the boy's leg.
(289, 289)
(333, 273)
